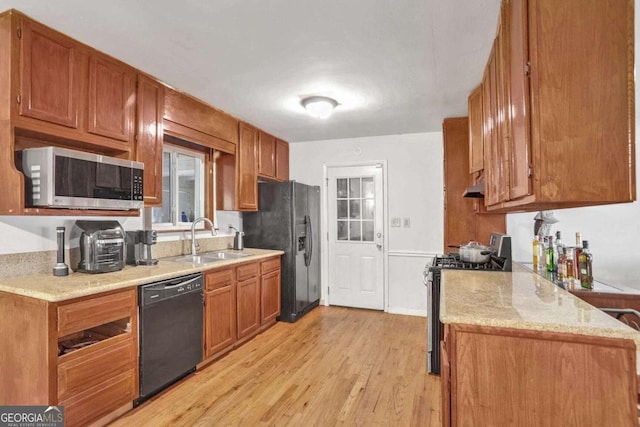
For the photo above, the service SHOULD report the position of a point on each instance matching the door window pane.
(343, 231)
(343, 206)
(355, 201)
(367, 231)
(354, 188)
(368, 209)
(354, 209)
(354, 231)
(368, 188)
(342, 188)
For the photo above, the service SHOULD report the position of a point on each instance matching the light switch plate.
(406, 222)
(395, 222)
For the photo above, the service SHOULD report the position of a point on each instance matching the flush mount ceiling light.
(320, 107)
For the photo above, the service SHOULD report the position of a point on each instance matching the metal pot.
(475, 252)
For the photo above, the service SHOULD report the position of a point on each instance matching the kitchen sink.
(207, 257)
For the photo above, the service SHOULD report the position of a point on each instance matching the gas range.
(500, 260)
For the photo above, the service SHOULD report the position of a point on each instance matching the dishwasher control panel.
(159, 291)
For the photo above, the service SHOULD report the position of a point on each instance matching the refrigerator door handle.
(308, 243)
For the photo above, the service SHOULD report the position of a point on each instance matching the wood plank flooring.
(335, 366)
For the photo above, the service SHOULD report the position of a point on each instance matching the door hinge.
(19, 99)
(530, 171)
(527, 69)
(19, 31)
(327, 236)
(328, 290)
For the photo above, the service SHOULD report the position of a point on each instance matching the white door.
(355, 250)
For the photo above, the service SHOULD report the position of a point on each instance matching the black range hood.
(476, 191)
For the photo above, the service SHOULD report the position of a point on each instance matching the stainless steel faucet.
(194, 244)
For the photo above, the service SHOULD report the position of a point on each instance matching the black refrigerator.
(288, 220)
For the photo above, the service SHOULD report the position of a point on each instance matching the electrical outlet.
(395, 222)
(406, 222)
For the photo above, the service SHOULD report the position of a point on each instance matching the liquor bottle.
(559, 244)
(536, 253)
(576, 255)
(551, 266)
(543, 251)
(570, 267)
(586, 266)
(562, 264)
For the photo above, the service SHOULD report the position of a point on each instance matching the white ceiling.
(395, 66)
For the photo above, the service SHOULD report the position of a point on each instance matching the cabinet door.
(111, 98)
(455, 133)
(270, 296)
(517, 56)
(476, 144)
(219, 319)
(282, 160)
(247, 175)
(149, 136)
(248, 306)
(445, 385)
(49, 75)
(493, 182)
(266, 159)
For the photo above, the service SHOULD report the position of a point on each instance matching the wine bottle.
(551, 266)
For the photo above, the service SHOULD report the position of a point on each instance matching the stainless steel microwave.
(62, 178)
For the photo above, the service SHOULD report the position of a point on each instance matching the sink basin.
(207, 257)
(218, 255)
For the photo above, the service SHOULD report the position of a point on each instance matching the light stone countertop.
(56, 289)
(522, 300)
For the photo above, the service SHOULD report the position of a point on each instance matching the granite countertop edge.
(76, 285)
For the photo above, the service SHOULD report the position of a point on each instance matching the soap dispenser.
(238, 240)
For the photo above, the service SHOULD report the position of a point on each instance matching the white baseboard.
(407, 311)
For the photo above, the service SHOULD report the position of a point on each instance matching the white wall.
(38, 233)
(415, 182)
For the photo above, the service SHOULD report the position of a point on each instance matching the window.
(183, 197)
(356, 208)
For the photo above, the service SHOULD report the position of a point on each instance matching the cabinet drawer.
(247, 271)
(219, 279)
(83, 369)
(270, 265)
(101, 400)
(95, 311)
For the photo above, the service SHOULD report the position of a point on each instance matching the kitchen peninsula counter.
(522, 300)
(56, 289)
(519, 350)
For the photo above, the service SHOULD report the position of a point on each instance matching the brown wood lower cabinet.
(240, 302)
(270, 291)
(96, 380)
(504, 376)
(220, 311)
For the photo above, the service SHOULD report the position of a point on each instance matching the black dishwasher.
(170, 332)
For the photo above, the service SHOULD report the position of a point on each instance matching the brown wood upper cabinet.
(463, 222)
(273, 157)
(49, 75)
(191, 119)
(149, 136)
(68, 90)
(247, 169)
(266, 155)
(476, 144)
(111, 102)
(282, 160)
(558, 106)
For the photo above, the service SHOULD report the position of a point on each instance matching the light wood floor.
(335, 366)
